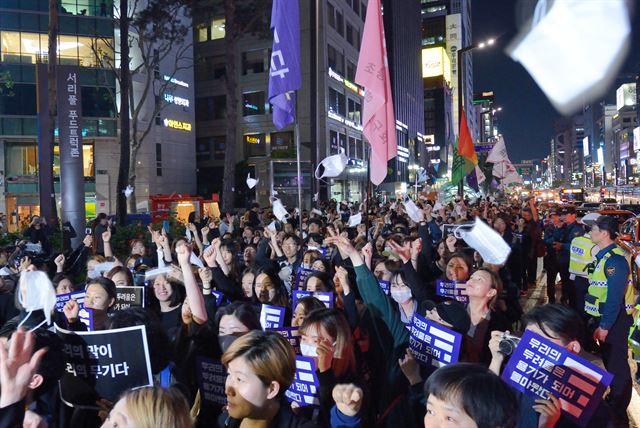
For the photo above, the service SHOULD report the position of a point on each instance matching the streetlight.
(481, 45)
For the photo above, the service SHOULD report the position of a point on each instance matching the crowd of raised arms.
(365, 284)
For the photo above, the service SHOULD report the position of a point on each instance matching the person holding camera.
(38, 233)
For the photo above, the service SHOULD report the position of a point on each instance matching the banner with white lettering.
(301, 277)
(325, 297)
(291, 334)
(62, 299)
(271, 316)
(304, 389)
(127, 297)
(211, 376)
(85, 316)
(432, 344)
(539, 367)
(103, 364)
(453, 289)
(385, 286)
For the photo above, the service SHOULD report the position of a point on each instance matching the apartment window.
(351, 71)
(354, 111)
(282, 145)
(331, 15)
(97, 102)
(356, 6)
(255, 145)
(342, 141)
(87, 160)
(217, 29)
(335, 59)
(339, 23)
(337, 102)
(211, 108)
(203, 149)
(253, 103)
(333, 142)
(201, 33)
(159, 159)
(19, 101)
(350, 34)
(219, 143)
(363, 8)
(353, 152)
(253, 62)
(21, 160)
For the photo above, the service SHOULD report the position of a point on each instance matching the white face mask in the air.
(333, 165)
(486, 241)
(279, 210)
(36, 292)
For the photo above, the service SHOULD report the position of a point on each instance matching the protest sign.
(271, 316)
(291, 334)
(304, 389)
(127, 297)
(539, 367)
(62, 299)
(325, 297)
(453, 289)
(219, 296)
(432, 344)
(86, 317)
(385, 285)
(211, 376)
(301, 277)
(103, 364)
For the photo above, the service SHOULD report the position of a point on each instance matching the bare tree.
(154, 29)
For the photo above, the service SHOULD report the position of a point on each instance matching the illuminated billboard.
(626, 95)
(436, 62)
(585, 146)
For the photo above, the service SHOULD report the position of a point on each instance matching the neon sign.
(176, 124)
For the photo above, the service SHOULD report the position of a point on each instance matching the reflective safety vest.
(581, 253)
(634, 336)
(597, 294)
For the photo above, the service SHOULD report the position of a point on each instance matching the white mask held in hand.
(278, 210)
(413, 211)
(437, 206)
(575, 50)
(355, 220)
(333, 165)
(401, 295)
(251, 182)
(35, 292)
(128, 191)
(486, 241)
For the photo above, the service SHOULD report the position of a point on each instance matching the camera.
(508, 344)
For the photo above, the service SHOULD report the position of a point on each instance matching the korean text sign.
(211, 379)
(452, 289)
(62, 299)
(304, 389)
(539, 367)
(103, 364)
(271, 317)
(325, 297)
(432, 344)
(127, 297)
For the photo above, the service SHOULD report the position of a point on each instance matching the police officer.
(609, 302)
(572, 229)
(553, 232)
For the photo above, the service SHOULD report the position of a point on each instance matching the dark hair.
(52, 366)
(59, 277)
(295, 238)
(556, 321)
(310, 303)
(281, 297)
(322, 277)
(483, 396)
(120, 269)
(315, 237)
(157, 338)
(107, 285)
(245, 312)
(178, 293)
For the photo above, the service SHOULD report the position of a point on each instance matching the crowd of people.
(207, 288)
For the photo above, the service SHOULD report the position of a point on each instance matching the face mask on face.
(308, 350)
(226, 341)
(401, 296)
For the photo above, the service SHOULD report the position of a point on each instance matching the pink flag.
(373, 73)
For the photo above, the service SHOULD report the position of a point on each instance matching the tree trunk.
(231, 83)
(131, 200)
(125, 148)
(50, 211)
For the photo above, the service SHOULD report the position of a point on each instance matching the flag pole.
(299, 172)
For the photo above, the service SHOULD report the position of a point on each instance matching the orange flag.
(466, 148)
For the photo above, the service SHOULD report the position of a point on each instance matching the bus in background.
(572, 195)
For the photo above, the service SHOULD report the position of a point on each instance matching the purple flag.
(472, 181)
(284, 72)
(494, 183)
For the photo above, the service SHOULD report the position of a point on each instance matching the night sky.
(527, 117)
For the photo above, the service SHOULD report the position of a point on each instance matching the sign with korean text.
(211, 376)
(271, 317)
(539, 367)
(304, 389)
(385, 285)
(453, 289)
(325, 297)
(301, 277)
(291, 334)
(127, 297)
(432, 344)
(62, 299)
(85, 316)
(103, 364)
